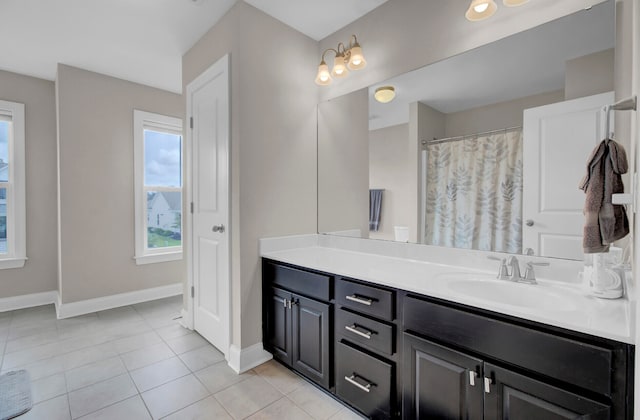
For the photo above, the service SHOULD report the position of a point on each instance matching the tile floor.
(137, 362)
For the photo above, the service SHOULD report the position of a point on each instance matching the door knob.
(218, 228)
(529, 222)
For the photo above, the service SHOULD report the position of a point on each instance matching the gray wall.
(589, 75)
(273, 143)
(496, 116)
(39, 273)
(95, 123)
(343, 163)
(388, 169)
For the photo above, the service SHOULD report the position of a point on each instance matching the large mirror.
(484, 150)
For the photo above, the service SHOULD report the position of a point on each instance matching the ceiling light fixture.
(345, 59)
(385, 94)
(483, 9)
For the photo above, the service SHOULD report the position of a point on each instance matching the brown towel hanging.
(604, 222)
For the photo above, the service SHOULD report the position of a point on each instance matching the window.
(158, 187)
(13, 247)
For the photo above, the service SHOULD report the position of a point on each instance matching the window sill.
(8, 263)
(158, 258)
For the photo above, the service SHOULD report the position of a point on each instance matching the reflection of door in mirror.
(555, 135)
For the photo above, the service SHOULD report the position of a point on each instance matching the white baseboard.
(241, 360)
(27, 301)
(67, 310)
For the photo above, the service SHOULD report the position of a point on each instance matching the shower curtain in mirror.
(474, 192)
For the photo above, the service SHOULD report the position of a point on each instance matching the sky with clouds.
(162, 159)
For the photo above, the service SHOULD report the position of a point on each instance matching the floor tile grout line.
(150, 323)
(187, 406)
(140, 394)
(71, 351)
(269, 405)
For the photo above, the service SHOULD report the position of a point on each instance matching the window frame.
(16, 254)
(142, 121)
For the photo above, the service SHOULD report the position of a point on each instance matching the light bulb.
(339, 67)
(356, 60)
(481, 7)
(324, 77)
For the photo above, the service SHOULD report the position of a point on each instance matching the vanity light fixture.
(513, 3)
(385, 94)
(480, 10)
(483, 9)
(345, 59)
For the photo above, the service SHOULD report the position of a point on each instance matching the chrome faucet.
(514, 274)
(510, 270)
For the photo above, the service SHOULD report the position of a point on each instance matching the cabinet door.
(311, 339)
(516, 397)
(278, 328)
(440, 383)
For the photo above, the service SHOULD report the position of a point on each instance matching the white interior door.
(558, 140)
(208, 106)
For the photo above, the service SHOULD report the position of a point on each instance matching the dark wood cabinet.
(297, 321)
(310, 338)
(297, 332)
(509, 395)
(440, 383)
(394, 354)
(278, 324)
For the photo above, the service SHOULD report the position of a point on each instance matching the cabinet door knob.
(360, 300)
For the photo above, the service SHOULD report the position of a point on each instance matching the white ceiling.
(139, 40)
(316, 18)
(521, 65)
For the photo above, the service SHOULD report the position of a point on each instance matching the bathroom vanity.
(419, 350)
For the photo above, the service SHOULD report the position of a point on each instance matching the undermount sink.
(510, 293)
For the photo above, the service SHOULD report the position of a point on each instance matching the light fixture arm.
(354, 43)
(327, 50)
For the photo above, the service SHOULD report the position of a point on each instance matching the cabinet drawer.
(365, 332)
(306, 283)
(574, 362)
(364, 381)
(366, 299)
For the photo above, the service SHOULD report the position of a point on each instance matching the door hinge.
(193, 292)
(191, 122)
(192, 207)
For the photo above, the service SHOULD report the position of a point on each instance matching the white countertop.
(603, 318)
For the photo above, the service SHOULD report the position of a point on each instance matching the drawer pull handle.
(352, 380)
(354, 329)
(362, 301)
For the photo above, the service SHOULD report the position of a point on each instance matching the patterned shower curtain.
(474, 193)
